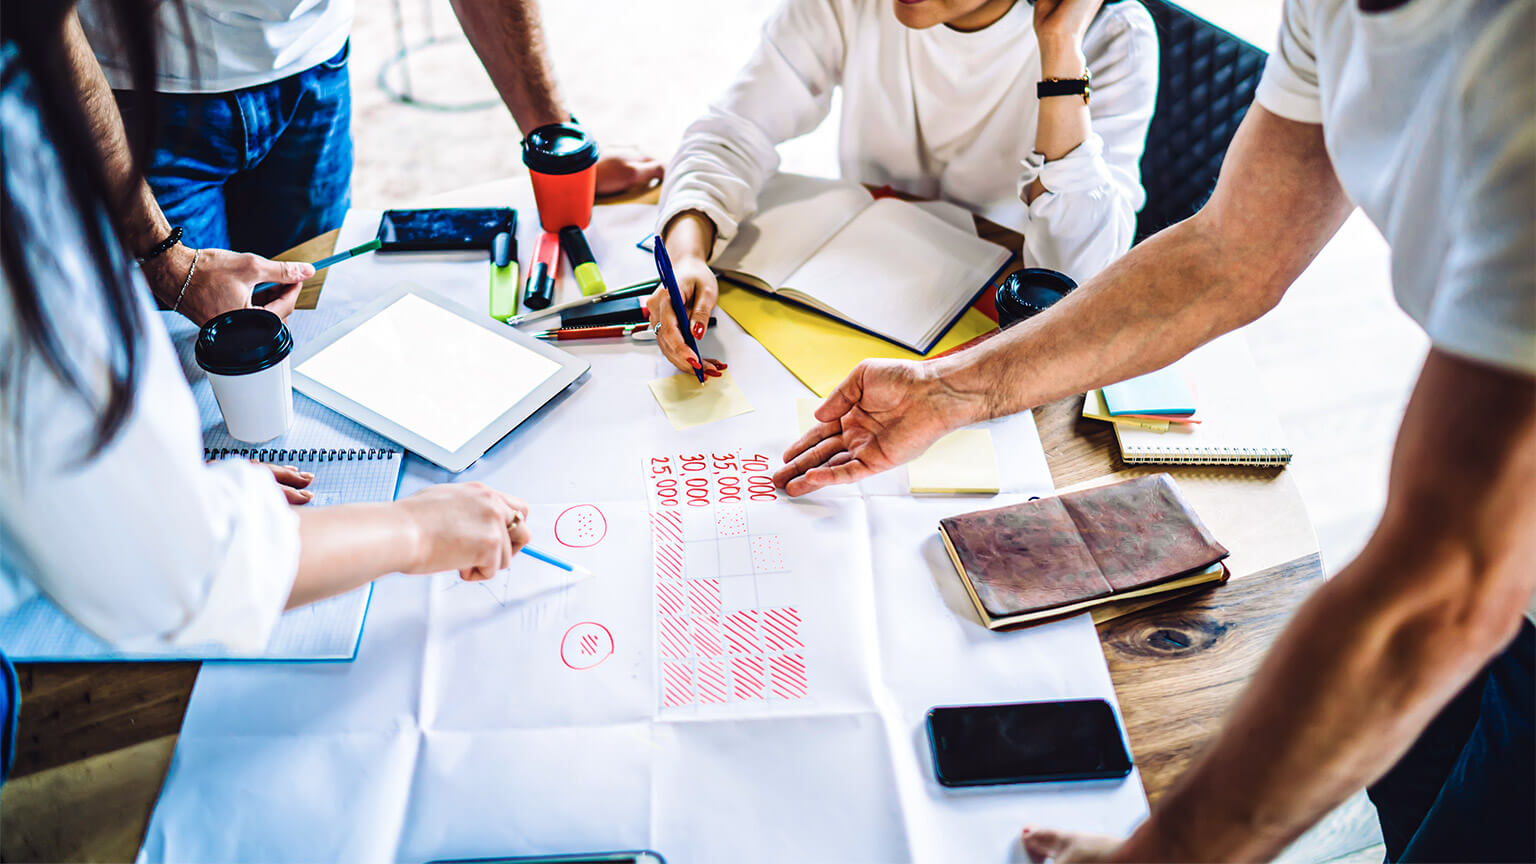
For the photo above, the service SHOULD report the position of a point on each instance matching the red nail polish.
(694, 363)
(698, 330)
(719, 365)
(645, 312)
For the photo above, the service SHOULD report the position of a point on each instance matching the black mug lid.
(559, 148)
(242, 341)
(1030, 291)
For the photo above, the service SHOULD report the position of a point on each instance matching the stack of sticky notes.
(1153, 402)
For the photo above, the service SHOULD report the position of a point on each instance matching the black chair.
(1205, 84)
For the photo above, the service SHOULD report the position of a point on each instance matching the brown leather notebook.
(1057, 556)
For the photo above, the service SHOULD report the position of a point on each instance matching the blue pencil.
(552, 560)
(329, 260)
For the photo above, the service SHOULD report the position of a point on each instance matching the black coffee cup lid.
(1029, 292)
(559, 148)
(242, 341)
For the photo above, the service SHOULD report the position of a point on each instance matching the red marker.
(541, 276)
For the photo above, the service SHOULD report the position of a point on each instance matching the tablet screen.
(429, 370)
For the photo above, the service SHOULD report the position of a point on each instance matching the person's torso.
(1390, 85)
(214, 46)
(945, 114)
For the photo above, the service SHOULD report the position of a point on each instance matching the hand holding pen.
(694, 299)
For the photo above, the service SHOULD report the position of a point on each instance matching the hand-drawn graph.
(716, 643)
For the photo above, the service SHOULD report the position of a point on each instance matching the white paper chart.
(728, 623)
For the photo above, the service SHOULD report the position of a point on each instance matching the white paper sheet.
(469, 726)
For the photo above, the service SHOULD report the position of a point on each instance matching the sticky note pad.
(805, 413)
(689, 403)
(1162, 392)
(960, 463)
(1093, 409)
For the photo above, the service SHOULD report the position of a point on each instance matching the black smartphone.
(1026, 742)
(444, 229)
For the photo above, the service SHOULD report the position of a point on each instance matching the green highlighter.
(580, 254)
(504, 280)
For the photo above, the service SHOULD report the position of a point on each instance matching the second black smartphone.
(1026, 742)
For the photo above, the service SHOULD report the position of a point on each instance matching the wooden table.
(96, 739)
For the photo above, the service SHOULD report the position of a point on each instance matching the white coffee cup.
(245, 355)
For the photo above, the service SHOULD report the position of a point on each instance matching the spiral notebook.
(1237, 425)
(351, 464)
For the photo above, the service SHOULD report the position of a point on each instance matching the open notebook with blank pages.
(1237, 425)
(351, 464)
(887, 267)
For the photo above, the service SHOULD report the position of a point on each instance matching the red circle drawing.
(585, 645)
(580, 526)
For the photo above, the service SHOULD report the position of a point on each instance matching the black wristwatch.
(160, 248)
(1066, 87)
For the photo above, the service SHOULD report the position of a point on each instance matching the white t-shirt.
(234, 43)
(1429, 114)
(936, 113)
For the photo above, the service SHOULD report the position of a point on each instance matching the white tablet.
(434, 377)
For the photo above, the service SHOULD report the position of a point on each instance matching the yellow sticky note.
(819, 350)
(689, 403)
(960, 463)
(1095, 409)
(805, 413)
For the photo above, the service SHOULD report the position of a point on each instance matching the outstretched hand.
(885, 413)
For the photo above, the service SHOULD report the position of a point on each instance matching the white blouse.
(142, 544)
(936, 113)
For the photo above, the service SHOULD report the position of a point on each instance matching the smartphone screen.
(1027, 742)
(444, 229)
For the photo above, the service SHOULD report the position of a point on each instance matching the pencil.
(552, 560)
(329, 260)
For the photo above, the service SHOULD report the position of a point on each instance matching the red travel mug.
(562, 161)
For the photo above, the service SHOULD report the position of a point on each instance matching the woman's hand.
(223, 281)
(1062, 23)
(468, 527)
(292, 481)
(688, 237)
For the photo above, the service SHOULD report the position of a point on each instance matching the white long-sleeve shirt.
(142, 544)
(936, 113)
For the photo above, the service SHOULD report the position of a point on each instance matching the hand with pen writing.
(688, 237)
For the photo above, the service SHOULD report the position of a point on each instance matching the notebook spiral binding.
(1261, 457)
(302, 454)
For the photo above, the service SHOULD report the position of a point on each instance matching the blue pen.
(328, 261)
(552, 560)
(664, 270)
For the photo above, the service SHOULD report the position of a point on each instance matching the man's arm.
(223, 280)
(508, 36)
(1374, 655)
(509, 39)
(1277, 202)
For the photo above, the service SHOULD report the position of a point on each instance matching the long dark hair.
(37, 30)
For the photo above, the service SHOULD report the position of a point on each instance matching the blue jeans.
(256, 170)
(1466, 790)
